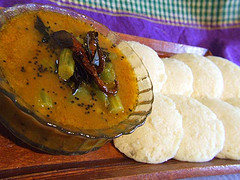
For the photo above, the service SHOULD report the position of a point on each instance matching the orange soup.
(29, 67)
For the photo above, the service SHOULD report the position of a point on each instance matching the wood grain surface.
(20, 161)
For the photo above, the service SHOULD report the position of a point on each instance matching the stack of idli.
(196, 110)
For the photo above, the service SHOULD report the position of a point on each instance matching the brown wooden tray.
(20, 161)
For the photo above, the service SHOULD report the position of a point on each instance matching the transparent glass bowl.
(32, 128)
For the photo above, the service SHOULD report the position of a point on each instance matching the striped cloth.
(208, 14)
(212, 24)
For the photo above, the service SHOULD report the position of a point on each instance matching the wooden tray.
(18, 160)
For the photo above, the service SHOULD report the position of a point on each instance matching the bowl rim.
(54, 8)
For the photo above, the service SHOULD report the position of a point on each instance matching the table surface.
(18, 160)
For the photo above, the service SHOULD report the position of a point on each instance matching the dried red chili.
(84, 67)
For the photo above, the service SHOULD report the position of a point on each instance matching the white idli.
(230, 116)
(234, 101)
(152, 62)
(203, 133)
(207, 78)
(179, 78)
(159, 138)
(231, 77)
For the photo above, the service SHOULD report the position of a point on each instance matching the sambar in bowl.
(68, 84)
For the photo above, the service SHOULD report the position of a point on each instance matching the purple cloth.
(223, 42)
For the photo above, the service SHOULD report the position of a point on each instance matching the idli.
(231, 77)
(234, 101)
(207, 78)
(152, 62)
(203, 135)
(230, 116)
(159, 138)
(179, 78)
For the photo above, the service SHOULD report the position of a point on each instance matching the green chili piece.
(45, 100)
(115, 104)
(66, 64)
(108, 74)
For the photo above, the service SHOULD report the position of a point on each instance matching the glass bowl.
(32, 128)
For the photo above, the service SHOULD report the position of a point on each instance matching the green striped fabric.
(198, 12)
